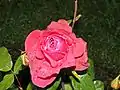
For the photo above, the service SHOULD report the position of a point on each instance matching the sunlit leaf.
(24, 58)
(29, 87)
(68, 86)
(78, 17)
(75, 83)
(76, 75)
(99, 85)
(18, 65)
(85, 83)
(6, 82)
(5, 60)
(69, 21)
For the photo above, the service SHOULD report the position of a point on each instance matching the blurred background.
(99, 26)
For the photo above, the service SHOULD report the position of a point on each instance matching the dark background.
(99, 26)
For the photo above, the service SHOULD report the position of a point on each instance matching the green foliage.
(90, 70)
(5, 60)
(18, 65)
(85, 83)
(29, 87)
(13, 87)
(7, 81)
(76, 84)
(5, 66)
(68, 86)
(76, 75)
(55, 84)
(99, 85)
(69, 21)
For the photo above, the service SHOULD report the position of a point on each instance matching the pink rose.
(52, 49)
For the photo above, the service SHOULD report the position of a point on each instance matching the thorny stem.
(75, 13)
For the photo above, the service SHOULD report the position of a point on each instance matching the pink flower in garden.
(52, 49)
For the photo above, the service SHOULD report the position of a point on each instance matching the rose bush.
(52, 49)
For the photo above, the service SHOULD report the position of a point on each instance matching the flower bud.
(115, 84)
(24, 58)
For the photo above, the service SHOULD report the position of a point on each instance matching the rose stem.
(62, 84)
(75, 13)
(20, 87)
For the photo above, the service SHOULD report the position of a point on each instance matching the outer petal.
(69, 60)
(82, 62)
(42, 74)
(38, 51)
(43, 82)
(68, 36)
(31, 40)
(61, 24)
(79, 47)
(62, 21)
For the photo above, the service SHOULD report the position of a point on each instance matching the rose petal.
(43, 82)
(42, 73)
(62, 21)
(82, 62)
(79, 47)
(69, 37)
(42, 68)
(44, 64)
(31, 40)
(61, 25)
(38, 51)
(51, 61)
(39, 54)
(69, 60)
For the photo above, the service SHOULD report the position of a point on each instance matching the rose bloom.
(52, 49)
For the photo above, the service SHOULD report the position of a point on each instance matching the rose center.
(55, 44)
(52, 43)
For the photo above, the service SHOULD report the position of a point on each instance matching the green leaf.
(18, 65)
(90, 70)
(29, 87)
(69, 21)
(75, 83)
(99, 85)
(76, 75)
(7, 81)
(78, 17)
(5, 60)
(85, 83)
(55, 85)
(68, 86)
(13, 87)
